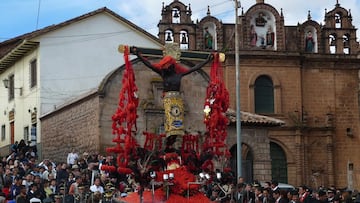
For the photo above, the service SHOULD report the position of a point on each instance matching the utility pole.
(238, 114)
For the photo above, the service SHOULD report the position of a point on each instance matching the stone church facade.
(305, 75)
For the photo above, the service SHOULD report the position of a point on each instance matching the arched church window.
(169, 37)
(332, 43)
(264, 95)
(278, 163)
(337, 20)
(184, 39)
(175, 15)
(346, 42)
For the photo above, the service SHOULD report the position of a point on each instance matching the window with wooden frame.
(33, 73)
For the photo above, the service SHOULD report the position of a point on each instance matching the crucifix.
(171, 73)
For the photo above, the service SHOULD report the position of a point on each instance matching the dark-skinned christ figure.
(171, 73)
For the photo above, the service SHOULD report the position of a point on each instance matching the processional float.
(188, 158)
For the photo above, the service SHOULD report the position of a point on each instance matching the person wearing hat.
(58, 198)
(62, 190)
(75, 170)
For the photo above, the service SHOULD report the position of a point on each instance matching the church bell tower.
(176, 25)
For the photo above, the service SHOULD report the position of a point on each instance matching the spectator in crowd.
(330, 195)
(62, 174)
(72, 157)
(2, 174)
(259, 195)
(33, 190)
(280, 196)
(22, 197)
(96, 187)
(2, 195)
(21, 148)
(346, 196)
(74, 187)
(75, 170)
(304, 194)
(69, 181)
(14, 147)
(274, 185)
(16, 187)
(28, 181)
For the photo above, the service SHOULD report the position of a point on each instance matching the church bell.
(168, 37)
(176, 14)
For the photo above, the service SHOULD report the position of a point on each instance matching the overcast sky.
(18, 17)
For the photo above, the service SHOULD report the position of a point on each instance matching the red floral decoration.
(124, 119)
(215, 107)
(153, 141)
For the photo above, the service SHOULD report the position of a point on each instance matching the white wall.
(21, 104)
(71, 61)
(76, 58)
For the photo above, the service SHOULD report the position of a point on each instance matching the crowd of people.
(25, 179)
(270, 192)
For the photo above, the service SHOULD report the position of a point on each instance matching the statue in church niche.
(270, 37)
(260, 20)
(309, 42)
(262, 41)
(208, 39)
(183, 38)
(253, 36)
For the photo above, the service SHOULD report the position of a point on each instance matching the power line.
(38, 15)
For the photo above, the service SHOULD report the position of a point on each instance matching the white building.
(42, 69)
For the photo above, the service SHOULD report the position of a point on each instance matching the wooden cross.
(173, 50)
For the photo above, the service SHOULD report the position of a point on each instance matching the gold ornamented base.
(174, 113)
